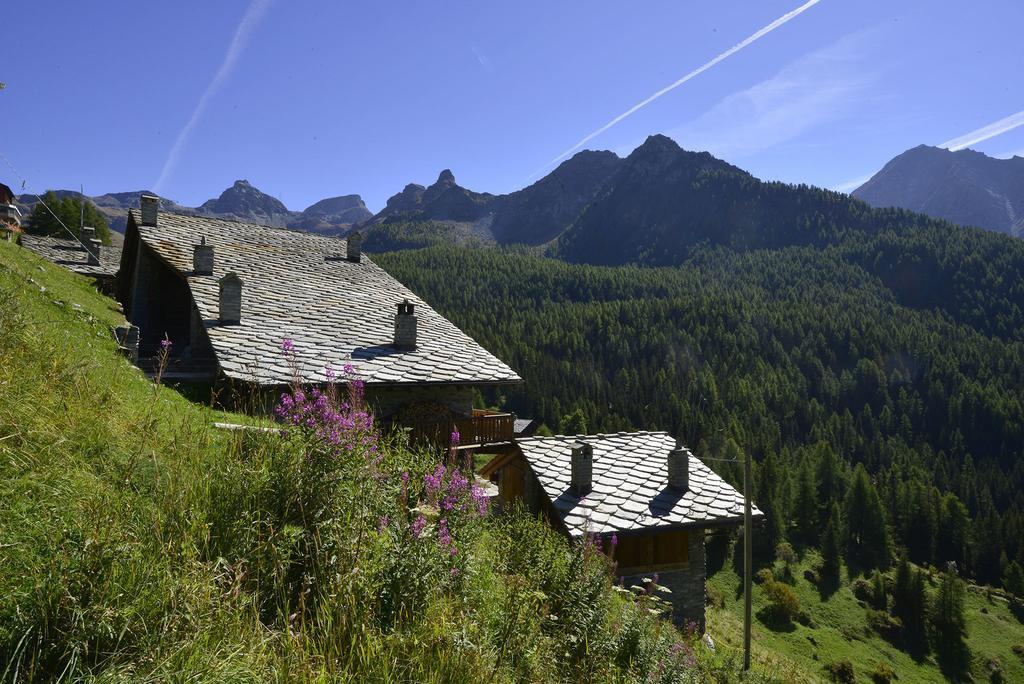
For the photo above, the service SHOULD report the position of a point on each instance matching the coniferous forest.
(875, 378)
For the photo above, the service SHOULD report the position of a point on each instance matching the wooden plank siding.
(648, 552)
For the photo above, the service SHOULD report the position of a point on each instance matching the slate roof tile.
(337, 312)
(71, 254)
(630, 484)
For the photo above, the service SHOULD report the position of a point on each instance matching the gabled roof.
(71, 254)
(630, 485)
(301, 286)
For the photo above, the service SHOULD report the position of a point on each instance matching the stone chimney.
(582, 465)
(230, 299)
(87, 233)
(679, 468)
(94, 246)
(202, 258)
(354, 250)
(150, 208)
(405, 326)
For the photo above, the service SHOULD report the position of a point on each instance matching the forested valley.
(875, 379)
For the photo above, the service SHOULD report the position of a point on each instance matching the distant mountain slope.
(965, 187)
(532, 216)
(245, 202)
(540, 212)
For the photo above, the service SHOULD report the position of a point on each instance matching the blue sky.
(314, 99)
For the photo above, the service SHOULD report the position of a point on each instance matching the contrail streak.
(985, 132)
(252, 16)
(693, 74)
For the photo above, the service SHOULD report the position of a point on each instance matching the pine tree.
(830, 547)
(574, 423)
(949, 623)
(69, 212)
(772, 530)
(908, 604)
(1013, 580)
(866, 534)
(954, 532)
(829, 480)
(805, 506)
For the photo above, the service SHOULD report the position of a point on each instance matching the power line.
(24, 182)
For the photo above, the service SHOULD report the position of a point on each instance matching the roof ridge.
(207, 217)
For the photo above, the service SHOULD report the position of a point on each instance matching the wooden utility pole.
(748, 563)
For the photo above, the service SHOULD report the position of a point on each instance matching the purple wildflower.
(455, 436)
(613, 542)
(417, 526)
(165, 345)
(480, 498)
(383, 523)
(287, 345)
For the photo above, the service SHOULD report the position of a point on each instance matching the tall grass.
(139, 543)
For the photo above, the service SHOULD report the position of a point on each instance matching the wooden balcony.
(482, 429)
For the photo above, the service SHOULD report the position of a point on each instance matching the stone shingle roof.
(301, 286)
(71, 254)
(630, 485)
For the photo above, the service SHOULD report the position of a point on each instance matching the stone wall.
(386, 401)
(687, 584)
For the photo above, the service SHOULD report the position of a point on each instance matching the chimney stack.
(150, 205)
(202, 258)
(87, 233)
(230, 299)
(582, 475)
(93, 247)
(679, 468)
(354, 249)
(405, 326)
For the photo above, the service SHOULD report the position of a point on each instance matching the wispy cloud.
(819, 87)
(785, 18)
(249, 21)
(985, 132)
(849, 185)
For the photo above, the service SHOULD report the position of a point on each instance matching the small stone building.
(654, 495)
(227, 294)
(87, 256)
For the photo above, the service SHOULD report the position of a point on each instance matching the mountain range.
(965, 187)
(242, 201)
(650, 207)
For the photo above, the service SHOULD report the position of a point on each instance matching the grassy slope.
(133, 537)
(840, 631)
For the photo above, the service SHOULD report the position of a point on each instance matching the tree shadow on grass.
(775, 622)
(954, 663)
(1017, 609)
(828, 586)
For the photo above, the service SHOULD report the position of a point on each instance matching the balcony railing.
(481, 429)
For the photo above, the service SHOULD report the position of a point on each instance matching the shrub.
(883, 674)
(887, 626)
(861, 588)
(714, 597)
(784, 606)
(786, 554)
(1018, 650)
(764, 575)
(842, 671)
